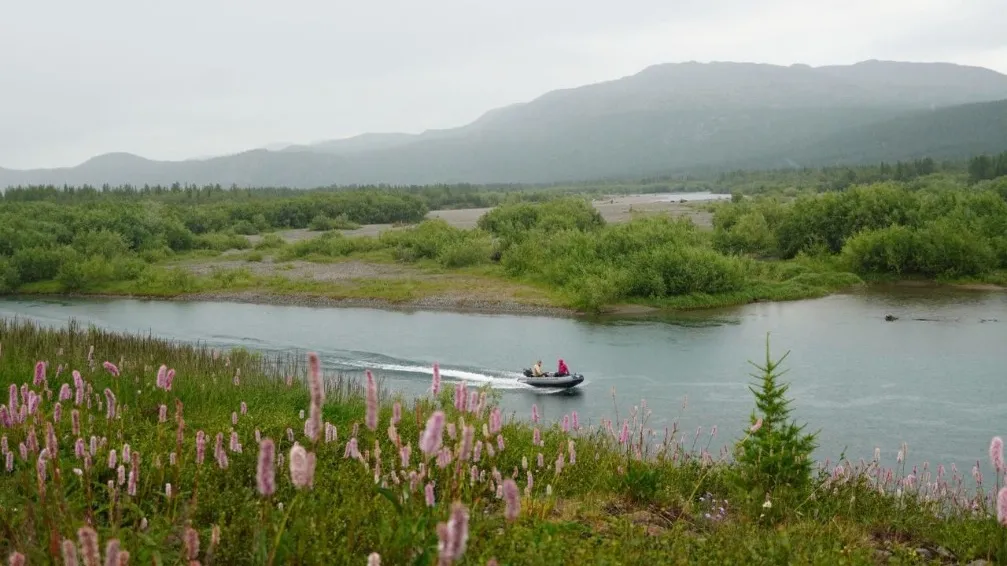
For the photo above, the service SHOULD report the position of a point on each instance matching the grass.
(598, 494)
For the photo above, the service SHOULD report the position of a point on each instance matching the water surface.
(934, 378)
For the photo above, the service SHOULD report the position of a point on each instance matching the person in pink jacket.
(562, 369)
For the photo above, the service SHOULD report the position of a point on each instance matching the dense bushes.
(90, 239)
(884, 228)
(652, 258)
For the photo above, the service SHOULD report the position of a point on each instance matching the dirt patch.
(340, 271)
(625, 208)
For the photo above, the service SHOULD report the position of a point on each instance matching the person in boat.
(536, 370)
(561, 369)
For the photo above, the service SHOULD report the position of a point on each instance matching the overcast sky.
(188, 78)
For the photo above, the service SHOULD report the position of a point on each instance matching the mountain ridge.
(666, 117)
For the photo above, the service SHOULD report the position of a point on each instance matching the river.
(934, 378)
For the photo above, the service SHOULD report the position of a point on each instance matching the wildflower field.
(124, 449)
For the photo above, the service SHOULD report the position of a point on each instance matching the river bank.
(463, 299)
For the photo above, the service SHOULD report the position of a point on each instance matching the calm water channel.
(935, 378)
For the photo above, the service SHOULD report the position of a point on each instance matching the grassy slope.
(602, 509)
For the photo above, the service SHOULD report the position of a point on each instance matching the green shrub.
(9, 276)
(270, 242)
(38, 264)
(221, 242)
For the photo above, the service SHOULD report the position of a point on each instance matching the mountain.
(666, 118)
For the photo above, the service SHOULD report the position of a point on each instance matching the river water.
(935, 378)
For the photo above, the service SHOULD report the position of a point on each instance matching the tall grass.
(235, 458)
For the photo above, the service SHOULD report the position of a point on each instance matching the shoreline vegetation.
(619, 249)
(121, 448)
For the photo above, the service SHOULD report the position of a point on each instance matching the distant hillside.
(957, 132)
(666, 118)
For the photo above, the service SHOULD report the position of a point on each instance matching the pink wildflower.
(162, 377)
(57, 413)
(374, 559)
(39, 373)
(510, 494)
(755, 427)
(371, 419)
(50, 439)
(436, 386)
(78, 448)
(265, 474)
(10, 462)
(317, 392)
(33, 400)
(576, 424)
(500, 441)
(191, 543)
(396, 413)
(234, 418)
(534, 413)
(302, 467)
(404, 455)
(5, 417)
(110, 398)
(69, 553)
(536, 437)
(168, 379)
(468, 435)
(432, 437)
(200, 446)
(624, 435)
(495, 421)
(452, 536)
(244, 408)
(111, 368)
(89, 546)
(460, 396)
(429, 493)
(997, 453)
(16, 559)
(1002, 506)
(64, 392)
(566, 423)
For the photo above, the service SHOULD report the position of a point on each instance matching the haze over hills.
(666, 118)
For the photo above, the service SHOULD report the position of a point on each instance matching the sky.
(193, 78)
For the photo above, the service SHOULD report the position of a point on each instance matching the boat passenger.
(562, 370)
(536, 370)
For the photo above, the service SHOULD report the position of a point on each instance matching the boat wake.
(495, 379)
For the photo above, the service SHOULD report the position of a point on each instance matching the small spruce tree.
(777, 454)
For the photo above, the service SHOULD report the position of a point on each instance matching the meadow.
(120, 448)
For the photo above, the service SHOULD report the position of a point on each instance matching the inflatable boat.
(552, 380)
